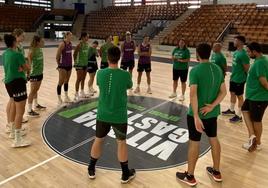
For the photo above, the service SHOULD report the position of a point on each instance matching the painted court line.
(46, 161)
(154, 107)
(67, 150)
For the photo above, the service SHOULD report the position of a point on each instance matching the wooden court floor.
(39, 166)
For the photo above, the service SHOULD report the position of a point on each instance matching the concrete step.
(172, 26)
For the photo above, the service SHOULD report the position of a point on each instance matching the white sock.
(35, 101)
(17, 135)
(12, 128)
(59, 97)
(10, 125)
(30, 107)
(239, 112)
(232, 107)
(66, 94)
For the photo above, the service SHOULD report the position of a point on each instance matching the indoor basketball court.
(157, 135)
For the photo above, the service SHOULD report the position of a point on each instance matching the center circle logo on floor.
(157, 134)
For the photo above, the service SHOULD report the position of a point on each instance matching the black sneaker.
(216, 175)
(236, 119)
(91, 174)
(127, 178)
(228, 113)
(33, 114)
(186, 178)
(39, 107)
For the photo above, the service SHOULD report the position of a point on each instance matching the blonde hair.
(66, 34)
(17, 32)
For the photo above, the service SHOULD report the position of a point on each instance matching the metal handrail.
(220, 37)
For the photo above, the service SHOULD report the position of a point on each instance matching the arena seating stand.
(208, 22)
(116, 20)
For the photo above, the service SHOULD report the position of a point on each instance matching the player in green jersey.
(36, 61)
(19, 35)
(104, 50)
(207, 90)
(81, 61)
(113, 83)
(15, 67)
(240, 68)
(218, 58)
(180, 58)
(256, 96)
(92, 66)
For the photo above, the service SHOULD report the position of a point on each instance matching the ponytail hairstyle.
(66, 34)
(83, 35)
(36, 39)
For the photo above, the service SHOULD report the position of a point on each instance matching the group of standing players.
(18, 69)
(207, 90)
(85, 61)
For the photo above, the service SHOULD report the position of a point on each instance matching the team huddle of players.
(207, 90)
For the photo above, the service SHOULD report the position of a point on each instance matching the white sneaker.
(137, 90)
(82, 96)
(85, 96)
(149, 91)
(22, 142)
(59, 102)
(173, 95)
(92, 90)
(130, 92)
(246, 146)
(251, 145)
(19, 140)
(259, 148)
(77, 98)
(24, 120)
(67, 99)
(8, 128)
(23, 132)
(181, 98)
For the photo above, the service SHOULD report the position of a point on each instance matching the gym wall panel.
(260, 2)
(90, 5)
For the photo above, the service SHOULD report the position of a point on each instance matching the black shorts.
(65, 68)
(256, 109)
(104, 65)
(37, 78)
(80, 68)
(92, 67)
(210, 126)
(127, 65)
(144, 67)
(103, 128)
(180, 74)
(17, 89)
(237, 88)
